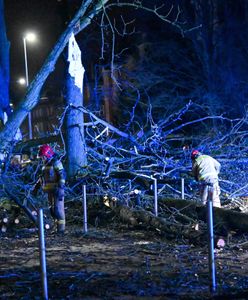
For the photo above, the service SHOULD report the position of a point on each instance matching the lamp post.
(30, 37)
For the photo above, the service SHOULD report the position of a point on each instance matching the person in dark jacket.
(52, 182)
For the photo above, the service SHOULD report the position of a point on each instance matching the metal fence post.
(155, 190)
(211, 260)
(85, 209)
(42, 249)
(182, 188)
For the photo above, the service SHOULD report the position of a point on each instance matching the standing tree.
(219, 44)
(75, 144)
(4, 67)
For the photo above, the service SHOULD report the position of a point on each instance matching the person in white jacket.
(206, 169)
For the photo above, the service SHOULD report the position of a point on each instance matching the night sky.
(42, 17)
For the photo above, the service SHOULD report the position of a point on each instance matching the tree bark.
(4, 65)
(75, 142)
(224, 220)
(138, 217)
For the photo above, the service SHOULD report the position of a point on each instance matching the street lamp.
(29, 37)
(22, 81)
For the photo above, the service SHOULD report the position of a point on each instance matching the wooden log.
(47, 226)
(138, 217)
(5, 220)
(16, 221)
(224, 219)
(3, 228)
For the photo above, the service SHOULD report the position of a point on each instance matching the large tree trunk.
(187, 215)
(4, 65)
(141, 217)
(224, 219)
(75, 142)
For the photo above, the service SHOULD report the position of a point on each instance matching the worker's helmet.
(47, 151)
(195, 153)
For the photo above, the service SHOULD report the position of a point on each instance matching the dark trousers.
(56, 201)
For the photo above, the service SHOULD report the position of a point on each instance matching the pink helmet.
(195, 153)
(47, 151)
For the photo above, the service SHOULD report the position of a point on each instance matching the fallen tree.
(181, 219)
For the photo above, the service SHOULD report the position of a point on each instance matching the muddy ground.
(116, 261)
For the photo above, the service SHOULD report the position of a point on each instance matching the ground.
(116, 261)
